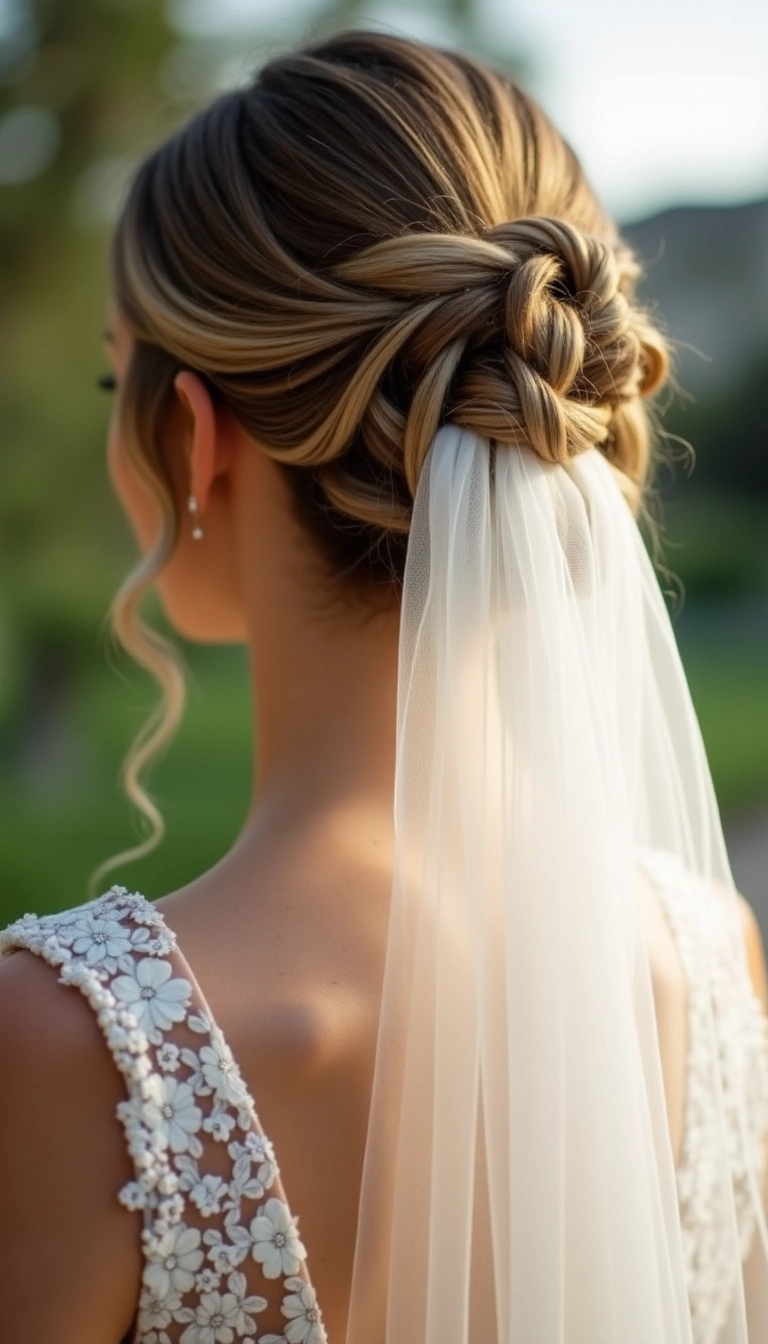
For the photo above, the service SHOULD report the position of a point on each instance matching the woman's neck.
(323, 670)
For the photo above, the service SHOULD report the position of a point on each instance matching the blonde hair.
(372, 239)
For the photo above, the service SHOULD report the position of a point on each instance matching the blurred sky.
(666, 101)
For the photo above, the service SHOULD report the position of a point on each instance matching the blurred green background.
(85, 87)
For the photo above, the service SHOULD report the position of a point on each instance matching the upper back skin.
(289, 955)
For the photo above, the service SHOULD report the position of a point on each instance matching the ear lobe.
(201, 437)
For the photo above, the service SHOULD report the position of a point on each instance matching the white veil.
(519, 1185)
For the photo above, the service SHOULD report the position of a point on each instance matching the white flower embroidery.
(245, 1185)
(201, 1023)
(237, 1285)
(208, 1194)
(219, 1125)
(160, 944)
(256, 1148)
(86, 978)
(303, 1315)
(145, 913)
(178, 1258)
(195, 1078)
(276, 1244)
(133, 1196)
(152, 995)
(170, 1209)
(155, 1310)
(215, 1320)
(207, 1280)
(242, 1241)
(172, 1107)
(226, 1258)
(220, 1071)
(189, 1172)
(259, 1146)
(168, 1057)
(65, 927)
(100, 940)
(179, 1146)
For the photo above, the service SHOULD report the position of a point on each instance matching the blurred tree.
(729, 432)
(79, 95)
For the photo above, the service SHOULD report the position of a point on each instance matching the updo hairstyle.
(373, 238)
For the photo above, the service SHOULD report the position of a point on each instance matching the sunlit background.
(667, 105)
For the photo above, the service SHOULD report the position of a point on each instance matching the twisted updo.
(373, 238)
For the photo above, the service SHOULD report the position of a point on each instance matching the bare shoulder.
(755, 950)
(71, 1261)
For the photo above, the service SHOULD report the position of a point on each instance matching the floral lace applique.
(223, 1259)
(719, 991)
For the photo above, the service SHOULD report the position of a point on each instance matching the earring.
(197, 531)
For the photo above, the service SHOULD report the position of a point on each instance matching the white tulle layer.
(519, 1185)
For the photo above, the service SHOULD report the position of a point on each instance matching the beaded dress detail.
(223, 1259)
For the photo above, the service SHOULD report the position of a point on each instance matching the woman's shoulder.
(43, 1026)
(62, 1151)
(52, 1053)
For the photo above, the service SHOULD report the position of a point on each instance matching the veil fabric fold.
(519, 1184)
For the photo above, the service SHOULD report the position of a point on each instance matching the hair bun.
(524, 335)
(572, 352)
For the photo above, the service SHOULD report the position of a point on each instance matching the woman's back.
(289, 964)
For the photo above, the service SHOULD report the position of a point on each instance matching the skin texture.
(286, 934)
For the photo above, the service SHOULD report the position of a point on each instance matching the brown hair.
(373, 238)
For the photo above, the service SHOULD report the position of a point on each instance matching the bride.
(475, 965)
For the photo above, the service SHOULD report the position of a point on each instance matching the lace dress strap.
(223, 1259)
(720, 995)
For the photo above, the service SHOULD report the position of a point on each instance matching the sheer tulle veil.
(519, 1184)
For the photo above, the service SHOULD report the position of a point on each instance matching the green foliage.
(729, 432)
(714, 544)
(202, 787)
(729, 689)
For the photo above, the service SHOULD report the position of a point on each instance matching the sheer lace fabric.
(711, 954)
(223, 1257)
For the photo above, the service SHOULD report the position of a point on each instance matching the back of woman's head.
(374, 238)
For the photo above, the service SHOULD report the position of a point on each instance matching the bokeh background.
(667, 104)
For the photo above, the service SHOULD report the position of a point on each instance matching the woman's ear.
(206, 447)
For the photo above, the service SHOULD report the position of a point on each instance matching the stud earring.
(197, 531)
